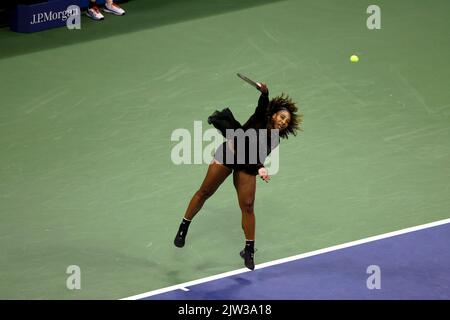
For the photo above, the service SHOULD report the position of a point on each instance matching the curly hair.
(285, 102)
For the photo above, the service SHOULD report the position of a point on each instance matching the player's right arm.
(263, 101)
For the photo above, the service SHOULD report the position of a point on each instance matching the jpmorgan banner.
(45, 15)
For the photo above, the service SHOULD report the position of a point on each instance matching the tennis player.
(270, 121)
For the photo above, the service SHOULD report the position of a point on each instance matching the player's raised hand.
(262, 87)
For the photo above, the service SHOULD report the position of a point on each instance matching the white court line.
(183, 286)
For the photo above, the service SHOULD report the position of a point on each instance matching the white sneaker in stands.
(114, 9)
(94, 13)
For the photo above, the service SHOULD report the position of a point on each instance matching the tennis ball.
(354, 58)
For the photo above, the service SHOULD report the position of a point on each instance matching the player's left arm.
(263, 173)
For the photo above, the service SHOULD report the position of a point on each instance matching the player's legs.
(245, 185)
(216, 174)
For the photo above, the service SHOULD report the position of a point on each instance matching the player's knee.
(247, 206)
(205, 193)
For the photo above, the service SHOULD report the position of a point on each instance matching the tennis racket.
(255, 84)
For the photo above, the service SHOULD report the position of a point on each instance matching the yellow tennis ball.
(354, 58)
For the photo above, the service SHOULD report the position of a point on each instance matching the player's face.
(281, 119)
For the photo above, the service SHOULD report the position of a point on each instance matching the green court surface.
(86, 118)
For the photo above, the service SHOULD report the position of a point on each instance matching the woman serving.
(243, 154)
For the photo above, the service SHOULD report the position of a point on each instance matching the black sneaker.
(180, 239)
(248, 259)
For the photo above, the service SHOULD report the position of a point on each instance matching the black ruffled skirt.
(223, 120)
(225, 153)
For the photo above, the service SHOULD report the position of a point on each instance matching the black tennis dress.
(247, 145)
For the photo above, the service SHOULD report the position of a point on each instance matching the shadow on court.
(140, 15)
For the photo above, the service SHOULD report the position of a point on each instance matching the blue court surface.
(408, 264)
